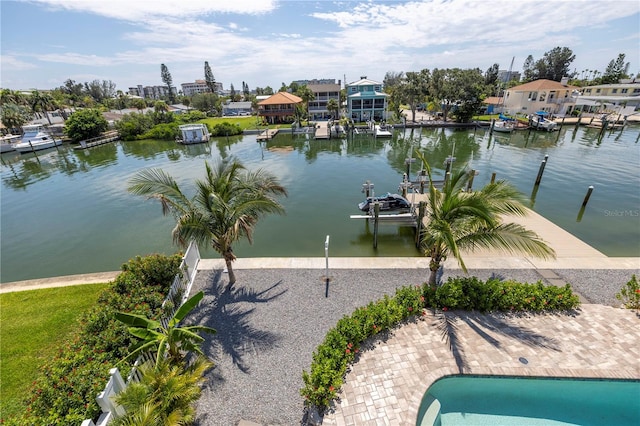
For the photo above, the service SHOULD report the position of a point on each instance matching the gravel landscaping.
(270, 324)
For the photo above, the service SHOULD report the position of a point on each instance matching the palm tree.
(464, 221)
(334, 108)
(306, 94)
(41, 102)
(164, 396)
(171, 340)
(226, 207)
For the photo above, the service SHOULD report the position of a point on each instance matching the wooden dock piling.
(541, 170)
(376, 218)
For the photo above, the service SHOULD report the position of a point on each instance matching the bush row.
(342, 343)
(65, 391)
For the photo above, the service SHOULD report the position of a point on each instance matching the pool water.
(520, 401)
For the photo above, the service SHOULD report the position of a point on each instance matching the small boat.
(538, 121)
(193, 133)
(8, 143)
(504, 126)
(35, 138)
(387, 202)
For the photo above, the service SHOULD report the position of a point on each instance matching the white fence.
(179, 292)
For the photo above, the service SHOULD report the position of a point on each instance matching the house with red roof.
(279, 108)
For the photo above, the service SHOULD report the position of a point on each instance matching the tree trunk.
(433, 277)
(232, 275)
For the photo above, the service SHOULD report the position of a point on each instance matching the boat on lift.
(540, 122)
(35, 138)
(193, 133)
(8, 143)
(388, 202)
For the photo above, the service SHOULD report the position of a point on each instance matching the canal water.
(65, 211)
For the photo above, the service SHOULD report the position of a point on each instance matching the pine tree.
(209, 78)
(166, 79)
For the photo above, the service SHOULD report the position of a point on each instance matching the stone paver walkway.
(385, 386)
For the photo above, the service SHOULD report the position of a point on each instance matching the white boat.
(8, 143)
(537, 121)
(35, 138)
(193, 133)
(504, 126)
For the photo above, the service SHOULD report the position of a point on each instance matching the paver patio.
(386, 385)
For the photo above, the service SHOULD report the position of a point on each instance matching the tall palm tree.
(458, 221)
(227, 205)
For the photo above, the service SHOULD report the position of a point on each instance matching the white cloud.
(357, 38)
(143, 9)
(12, 63)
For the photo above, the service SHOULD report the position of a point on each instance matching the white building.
(199, 86)
(622, 97)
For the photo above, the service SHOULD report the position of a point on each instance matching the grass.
(34, 324)
(245, 122)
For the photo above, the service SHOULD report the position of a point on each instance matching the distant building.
(541, 95)
(505, 76)
(323, 93)
(366, 100)
(199, 86)
(279, 108)
(623, 97)
(237, 108)
(151, 92)
(316, 81)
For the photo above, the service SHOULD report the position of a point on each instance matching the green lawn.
(33, 324)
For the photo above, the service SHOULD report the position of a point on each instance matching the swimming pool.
(523, 401)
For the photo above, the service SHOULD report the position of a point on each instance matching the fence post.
(114, 386)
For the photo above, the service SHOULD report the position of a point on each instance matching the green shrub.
(470, 293)
(164, 131)
(65, 392)
(131, 125)
(342, 343)
(226, 129)
(629, 295)
(191, 116)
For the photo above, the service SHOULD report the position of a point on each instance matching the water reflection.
(101, 225)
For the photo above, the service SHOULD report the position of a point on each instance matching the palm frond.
(510, 237)
(155, 183)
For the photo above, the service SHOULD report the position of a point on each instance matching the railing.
(179, 292)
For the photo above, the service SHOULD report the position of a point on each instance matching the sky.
(269, 42)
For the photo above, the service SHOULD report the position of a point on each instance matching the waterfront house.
(622, 97)
(279, 108)
(366, 100)
(554, 97)
(323, 92)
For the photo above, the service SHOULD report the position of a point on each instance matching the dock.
(99, 140)
(569, 248)
(267, 134)
(322, 130)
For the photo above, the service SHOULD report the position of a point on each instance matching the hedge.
(342, 343)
